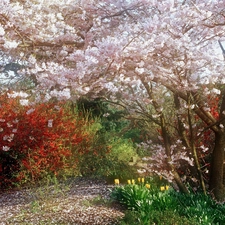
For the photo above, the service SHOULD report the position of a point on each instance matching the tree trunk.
(179, 183)
(216, 168)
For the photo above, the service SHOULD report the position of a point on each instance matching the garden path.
(79, 202)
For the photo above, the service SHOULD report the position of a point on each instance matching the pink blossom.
(5, 148)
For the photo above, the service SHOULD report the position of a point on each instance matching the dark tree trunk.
(216, 168)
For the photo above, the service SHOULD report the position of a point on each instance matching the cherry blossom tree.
(134, 53)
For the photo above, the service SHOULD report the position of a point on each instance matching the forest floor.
(79, 201)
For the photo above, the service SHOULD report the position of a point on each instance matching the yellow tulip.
(142, 179)
(133, 181)
(162, 188)
(167, 187)
(139, 179)
(128, 181)
(147, 186)
(117, 181)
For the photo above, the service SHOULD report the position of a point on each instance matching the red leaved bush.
(38, 140)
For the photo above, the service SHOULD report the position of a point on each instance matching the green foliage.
(91, 163)
(131, 218)
(122, 149)
(151, 206)
(201, 207)
(161, 200)
(134, 197)
(117, 164)
(94, 107)
(155, 217)
(112, 118)
(112, 148)
(169, 217)
(109, 156)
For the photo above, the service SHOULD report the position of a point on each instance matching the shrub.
(117, 164)
(93, 162)
(108, 156)
(38, 140)
(122, 149)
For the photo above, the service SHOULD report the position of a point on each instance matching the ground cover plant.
(164, 205)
